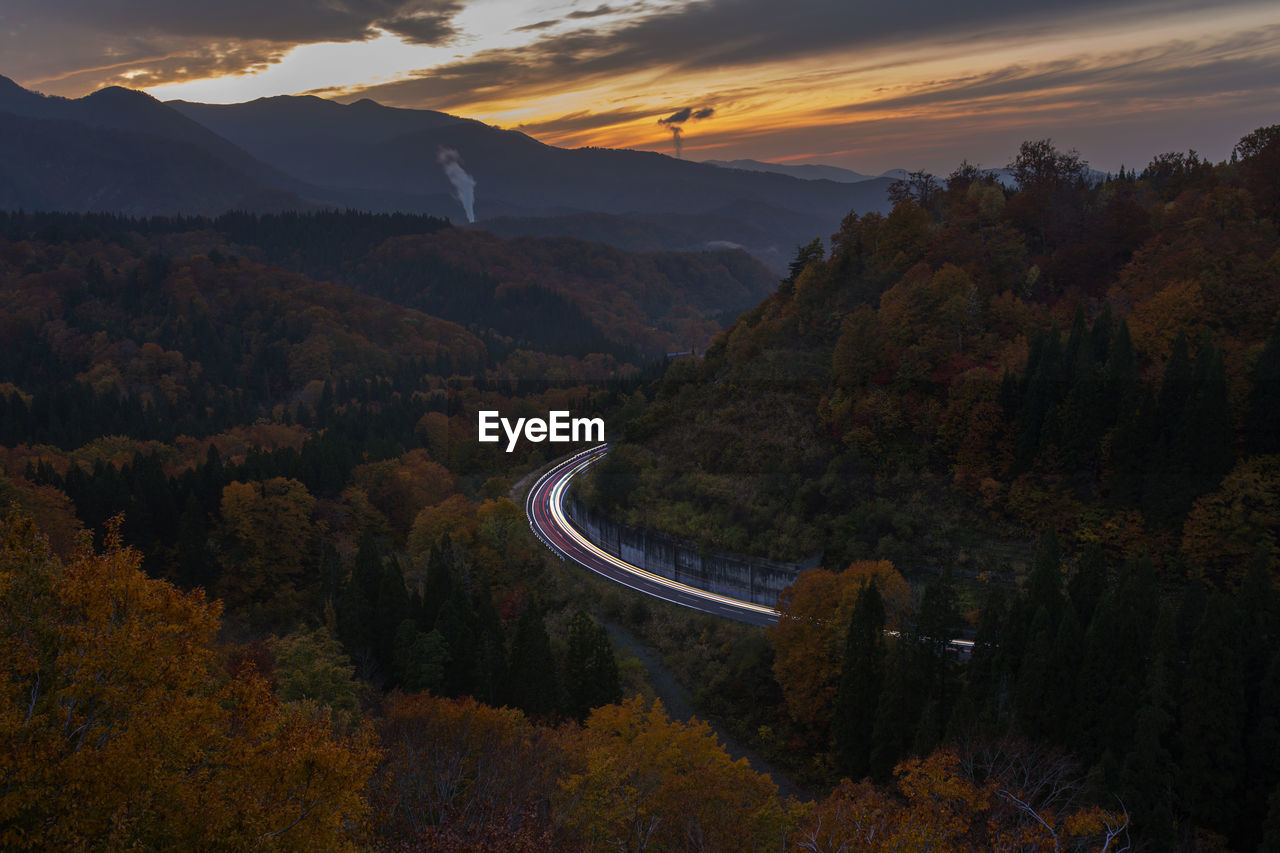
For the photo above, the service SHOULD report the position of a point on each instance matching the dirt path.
(679, 705)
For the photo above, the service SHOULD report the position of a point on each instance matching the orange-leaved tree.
(458, 769)
(119, 730)
(941, 807)
(809, 639)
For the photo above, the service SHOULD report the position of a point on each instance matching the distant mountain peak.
(119, 95)
(803, 171)
(311, 151)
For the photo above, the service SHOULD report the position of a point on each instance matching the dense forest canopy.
(1090, 364)
(261, 587)
(1096, 357)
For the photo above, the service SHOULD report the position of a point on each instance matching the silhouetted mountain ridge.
(804, 171)
(56, 164)
(368, 156)
(138, 113)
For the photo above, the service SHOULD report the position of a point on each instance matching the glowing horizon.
(1118, 83)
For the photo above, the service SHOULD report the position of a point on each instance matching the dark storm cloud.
(280, 20)
(423, 23)
(42, 40)
(679, 117)
(687, 114)
(715, 34)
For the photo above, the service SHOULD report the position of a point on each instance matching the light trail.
(545, 509)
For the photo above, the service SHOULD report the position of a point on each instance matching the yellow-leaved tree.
(268, 547)
(1229, 528)
(644, 782)
(119, 730)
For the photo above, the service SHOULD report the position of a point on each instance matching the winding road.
(545, 508)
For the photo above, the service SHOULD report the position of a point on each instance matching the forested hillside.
(122, 151)
(242, 503)
(1096, 358)
(550, 294)
(1088, 366)
(260, 586)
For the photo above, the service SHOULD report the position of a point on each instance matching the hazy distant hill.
(818, 172)
(49, 164)
(125, 151)
(806, 171)
(330, 144)
(371, 146)
(770, 234)
(384, 158)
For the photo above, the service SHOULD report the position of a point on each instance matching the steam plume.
(676, 130)
(464, 186)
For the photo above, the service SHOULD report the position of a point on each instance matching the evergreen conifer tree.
(456, 624)
(1262, 417)
(898, 713)
(591, 672)
(861, 678)
(982, 677)
(1089, 582)
(532, 668)
(1211, 738)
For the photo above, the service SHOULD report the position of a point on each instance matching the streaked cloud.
(592, 13)
(581, 122)
(535, 26)
(918, 83)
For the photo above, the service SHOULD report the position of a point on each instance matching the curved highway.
(545, 508)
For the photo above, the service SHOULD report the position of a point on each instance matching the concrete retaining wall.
(747, 578)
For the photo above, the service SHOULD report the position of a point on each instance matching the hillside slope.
(985, 362)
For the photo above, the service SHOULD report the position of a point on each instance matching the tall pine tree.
(591, 671)
(861, 677)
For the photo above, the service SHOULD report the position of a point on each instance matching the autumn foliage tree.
(119, 730)
(460, 775)
(809, 639)
(641, 782)
(938, 806)
(269, 544)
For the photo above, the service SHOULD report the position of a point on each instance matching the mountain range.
(123, 151)
(804, 171)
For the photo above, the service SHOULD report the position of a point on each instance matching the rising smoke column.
(676, 130)
(464, 186)
(675, 121)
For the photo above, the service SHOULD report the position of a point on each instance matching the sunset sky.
(914, 84)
